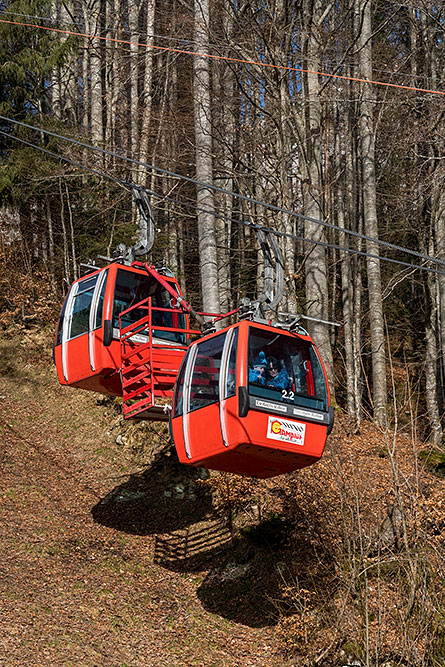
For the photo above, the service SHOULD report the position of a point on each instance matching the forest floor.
(76, 591)
(100, 562)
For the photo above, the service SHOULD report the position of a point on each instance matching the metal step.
(150, 412)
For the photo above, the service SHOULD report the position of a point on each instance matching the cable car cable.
(65, 159)
(215, 188)
(216, 45)
(231, 193)
(227, 218)
(211, 56)
(325, 244)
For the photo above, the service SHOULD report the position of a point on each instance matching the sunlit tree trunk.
(439, 225)
(147, 95)
(345, 272)
(421, 42)
(66, 254)
(367, 155)
(287, 221)
(353, 202)
(51, 262)
(431, 369)
(112, 64)
(93, 24)
(133, 21)
(204, 171)
(223, 141)
(317, 292)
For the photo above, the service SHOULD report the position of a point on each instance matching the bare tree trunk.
(133, 22)
(432, 339)
(367, 151)
(288, 222)
(346, 278)
(315, 265)
(438, 213)
(112, 61)
(56, 86)
(65, 238)
(73, 238)
(50, 244)
(223, 87)
(204, 172)
(84, 72)
(147, 96)
(68, 80)
(431, 368)
(357, 286)
(435, 244)
(96, 106)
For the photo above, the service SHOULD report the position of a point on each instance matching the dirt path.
(82, 585)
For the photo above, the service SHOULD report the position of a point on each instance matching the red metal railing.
(151, 355)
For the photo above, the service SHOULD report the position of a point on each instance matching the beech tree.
(367, 159)
(204, 166)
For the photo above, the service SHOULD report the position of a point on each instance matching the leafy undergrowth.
(112, 553)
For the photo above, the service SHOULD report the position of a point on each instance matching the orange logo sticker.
(286, 430)
(276, 427)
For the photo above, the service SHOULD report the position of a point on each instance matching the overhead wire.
(244, 223)
(215, 188)
(406, 75)
(212, 56)
(298, 237)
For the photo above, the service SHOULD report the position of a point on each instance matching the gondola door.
(206, 394)
(81, 323)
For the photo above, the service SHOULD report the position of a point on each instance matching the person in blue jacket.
(257, 374)
(277, 375)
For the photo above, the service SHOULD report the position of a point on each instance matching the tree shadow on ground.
(244, 587)
(163, 498)
(246, 576)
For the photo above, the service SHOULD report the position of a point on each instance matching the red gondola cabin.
(251, 399)
(121, 332)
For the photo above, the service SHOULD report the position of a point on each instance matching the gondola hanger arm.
(273, 288)
(146, 228)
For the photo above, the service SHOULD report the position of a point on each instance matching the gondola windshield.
(286, 370)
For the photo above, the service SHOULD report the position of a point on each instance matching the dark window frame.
(178, 338)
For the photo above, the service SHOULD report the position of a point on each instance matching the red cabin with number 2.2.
(251, 399)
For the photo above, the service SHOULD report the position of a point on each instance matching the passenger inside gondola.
(257, 374)
(277, 375)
